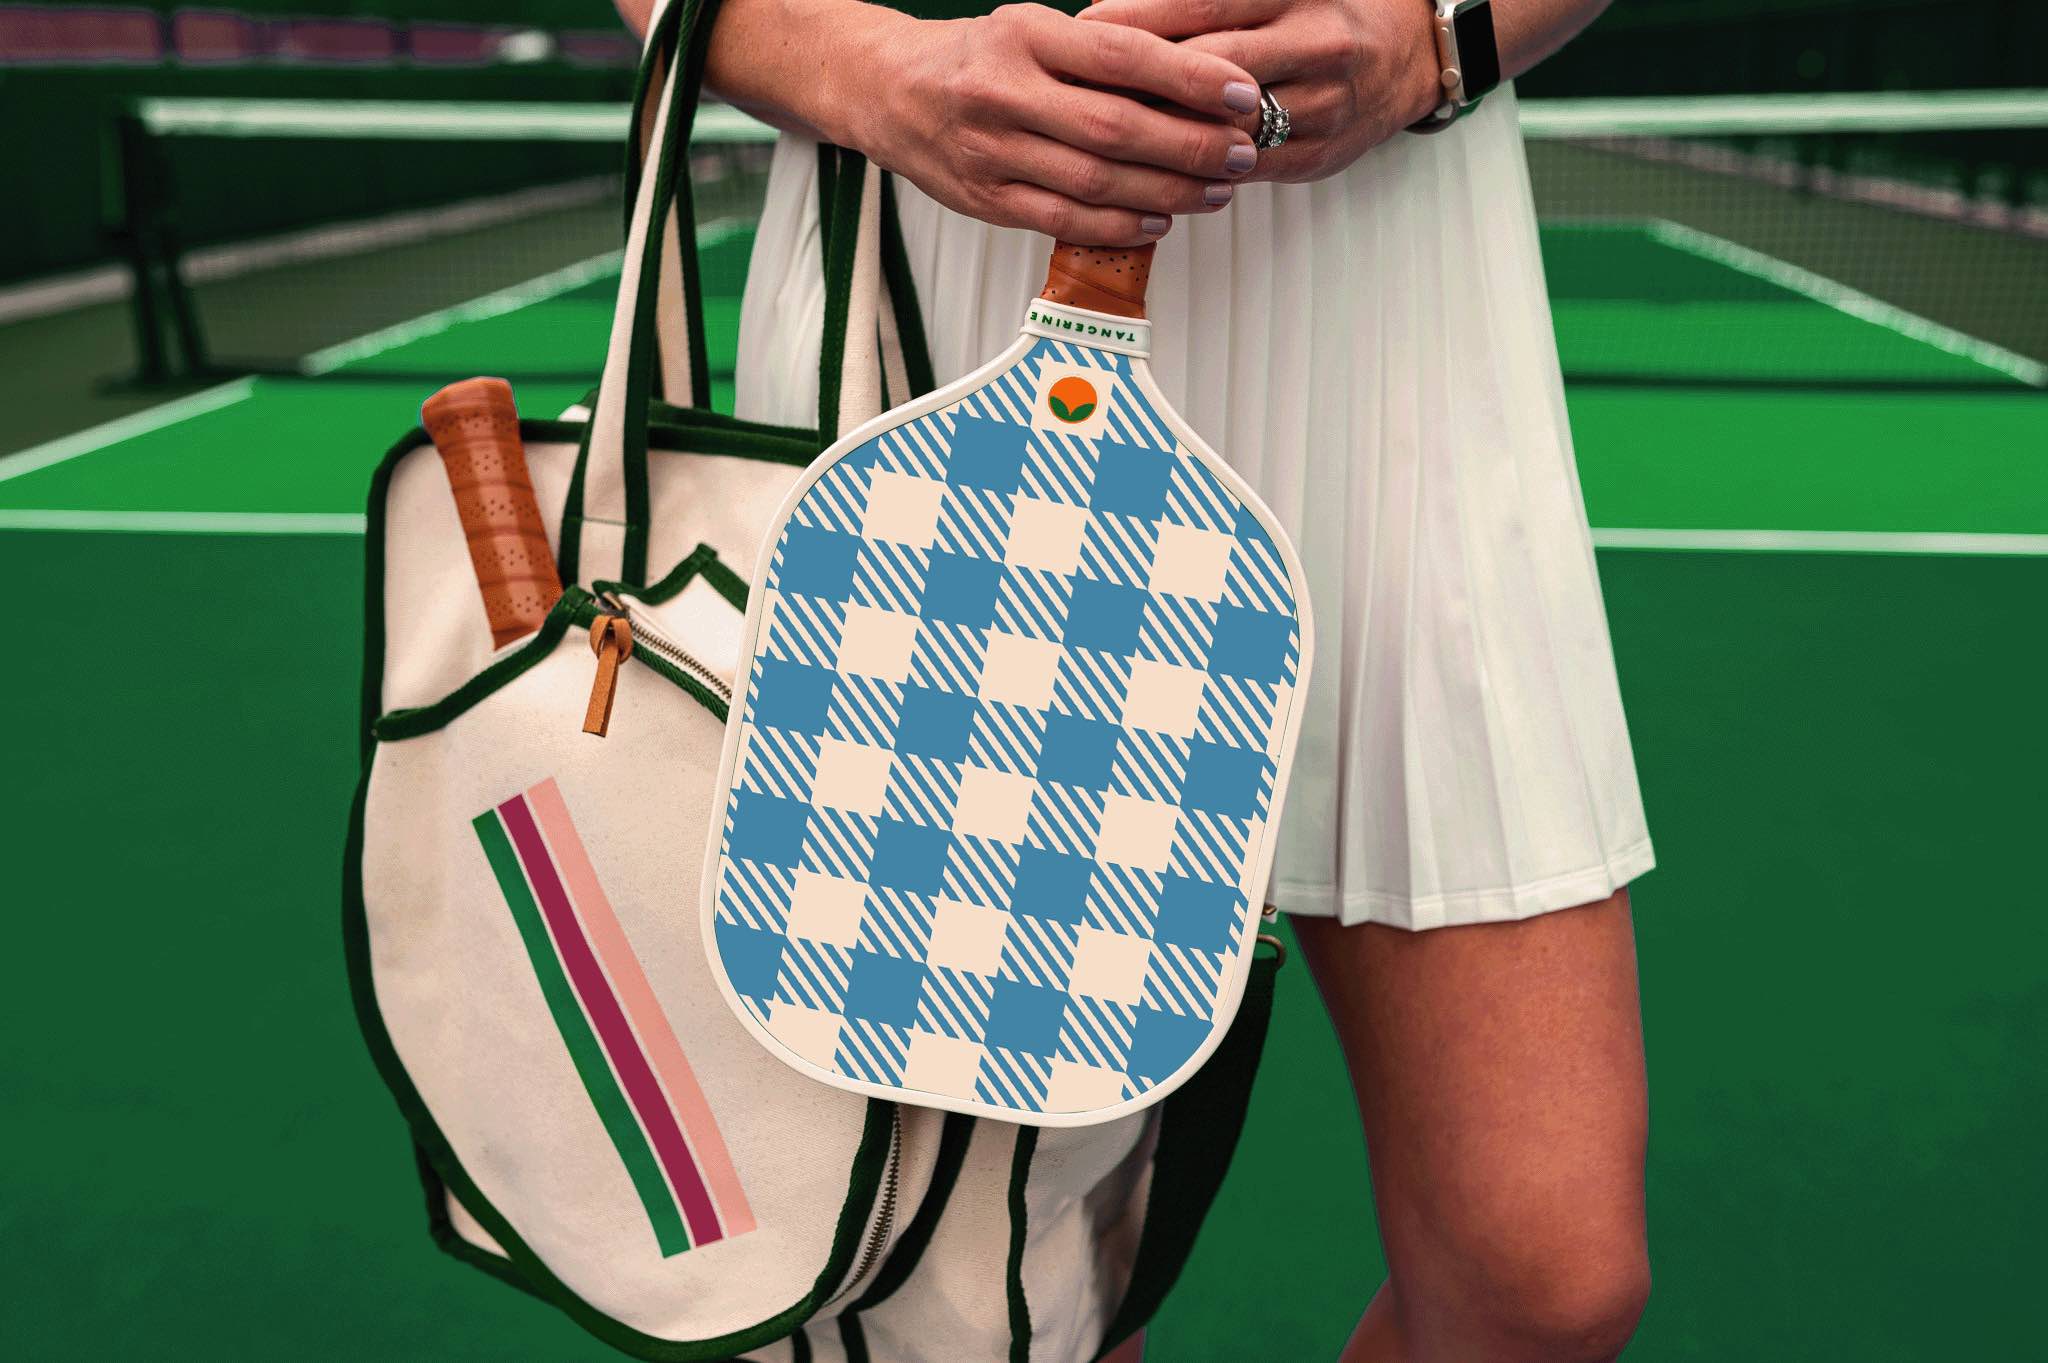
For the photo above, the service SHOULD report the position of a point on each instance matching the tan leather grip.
(1107, 279)
(476, 429)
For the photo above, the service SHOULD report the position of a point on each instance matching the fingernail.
(1153, 225)
(1240, 158)
(1241, 97)
(1216, 195)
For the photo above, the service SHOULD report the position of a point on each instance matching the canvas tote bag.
(520, 899)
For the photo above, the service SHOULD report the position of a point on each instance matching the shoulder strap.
(1198, 1129)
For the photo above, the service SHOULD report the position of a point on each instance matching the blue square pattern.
(935, 723)
(1078, 752)
(1251, 643)
(883, 989)
(1074, 745)
(790, 695)
(1052, 885)
(1105, 615)
(987, 454)
(817, 562)
(768, 828)
(1132, 480)
(751, 957)
(1027, 1017)
(1224, 780)
(1162, 1042)
(909, 856)
(961, 590)
(1198, 914)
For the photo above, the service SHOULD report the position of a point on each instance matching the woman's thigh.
(1499, 1073)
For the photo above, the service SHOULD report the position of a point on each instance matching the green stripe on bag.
(581, 1042)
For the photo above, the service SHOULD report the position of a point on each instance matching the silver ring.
(1274, 124)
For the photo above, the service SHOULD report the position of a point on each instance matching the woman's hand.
(1023, 118)
(995, 117)
(1351, 73)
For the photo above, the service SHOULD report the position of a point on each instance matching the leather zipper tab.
(611, 639)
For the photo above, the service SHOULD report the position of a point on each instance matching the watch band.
(1468, 60)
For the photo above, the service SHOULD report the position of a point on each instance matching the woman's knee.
(1567, 1290)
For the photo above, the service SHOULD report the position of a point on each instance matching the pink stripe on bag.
(685, 1095)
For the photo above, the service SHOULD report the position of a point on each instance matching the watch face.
(1478, 57)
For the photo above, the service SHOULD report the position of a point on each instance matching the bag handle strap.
(1198, 1130)
(657, 335)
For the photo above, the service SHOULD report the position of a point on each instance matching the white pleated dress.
(1374, 353)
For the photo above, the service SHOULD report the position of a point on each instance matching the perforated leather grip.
(1107, 279)
(475, 427)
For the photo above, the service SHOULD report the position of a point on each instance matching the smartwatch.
(1468, 59)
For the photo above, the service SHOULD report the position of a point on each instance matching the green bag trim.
(917, 355)
(1013, 1273)
(917, 1235)
(703, 561)
(839, 227)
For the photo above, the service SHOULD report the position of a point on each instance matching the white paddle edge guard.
(1230, 991)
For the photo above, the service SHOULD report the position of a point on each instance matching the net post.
(130, 221)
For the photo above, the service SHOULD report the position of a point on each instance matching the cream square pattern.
(1136, 832)
(942, 1064)
(1046, 535)
(810, 1032)
(1164, 697)
(1019, 671)
(1191, 561)
(1111, 965)
(993, 804)
(877, 643)
(904, 509)
(851, 776)
(1081, 1088)
(967, 937)
(827, 909)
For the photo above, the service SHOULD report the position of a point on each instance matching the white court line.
(188, 522)
(523, 294)
(124, 428)
(1824, 541)
(1839, 296)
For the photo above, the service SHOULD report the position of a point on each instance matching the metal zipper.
(645, 633)
(885, 1216)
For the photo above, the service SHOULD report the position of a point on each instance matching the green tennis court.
(1825, 574)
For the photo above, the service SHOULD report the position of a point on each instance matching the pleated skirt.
(1374, 353)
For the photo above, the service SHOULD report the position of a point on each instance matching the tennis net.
(1853, 241)
(282, 236)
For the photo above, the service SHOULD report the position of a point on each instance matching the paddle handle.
(1107, 279)
(475, 427)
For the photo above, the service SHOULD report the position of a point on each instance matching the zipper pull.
(611, 639)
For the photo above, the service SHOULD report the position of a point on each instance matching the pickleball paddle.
(1023, 661)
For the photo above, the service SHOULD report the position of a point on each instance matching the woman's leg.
(1499, 1072)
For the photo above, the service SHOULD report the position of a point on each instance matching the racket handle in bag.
(1107, 279)
(475, 427)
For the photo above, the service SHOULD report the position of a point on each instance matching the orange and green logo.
(1071, 399)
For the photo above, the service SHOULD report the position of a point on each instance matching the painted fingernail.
(1216, 195)
(1240, 158)
(1153, 225)
(1241, 97)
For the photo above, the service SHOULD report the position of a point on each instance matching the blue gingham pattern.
(1007, 753)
